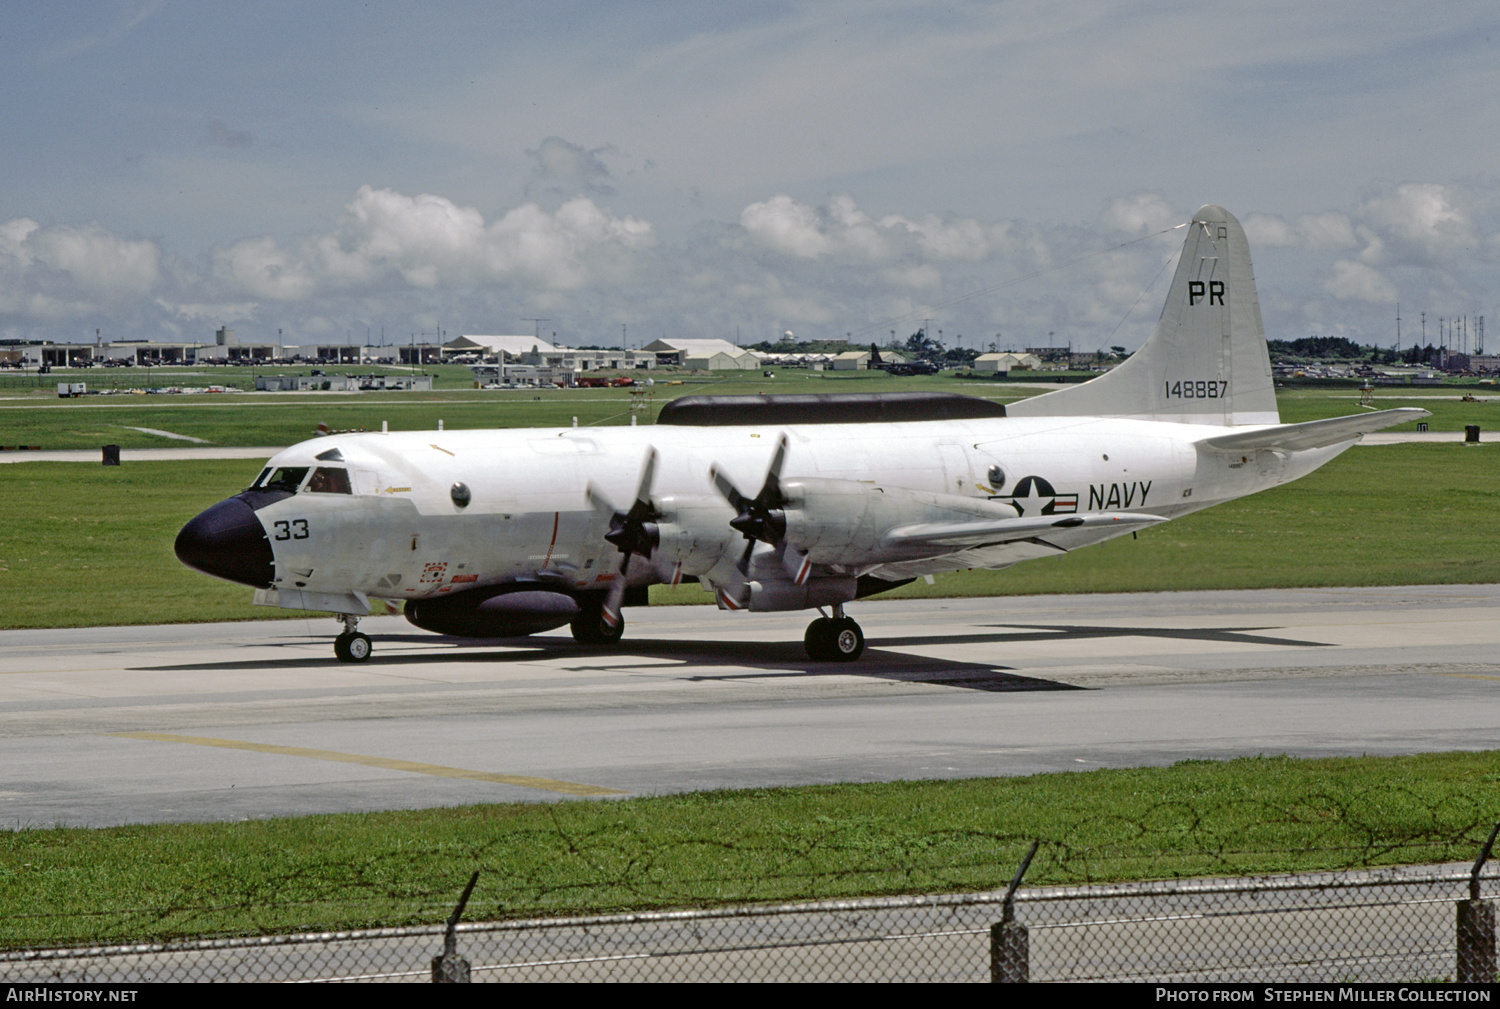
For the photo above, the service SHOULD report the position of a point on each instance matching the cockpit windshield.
(287, 478)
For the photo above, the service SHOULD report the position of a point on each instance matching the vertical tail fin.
(1206, 362)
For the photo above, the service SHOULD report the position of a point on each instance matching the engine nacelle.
(507, 611)
(692, 532)
(843, 521)
(786, 594)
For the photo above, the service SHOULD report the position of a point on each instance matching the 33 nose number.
(296, 529)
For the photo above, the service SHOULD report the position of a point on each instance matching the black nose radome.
(227, 541)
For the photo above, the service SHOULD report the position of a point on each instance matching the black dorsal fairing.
(825, 408)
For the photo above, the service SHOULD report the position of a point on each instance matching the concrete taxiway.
(227, 721)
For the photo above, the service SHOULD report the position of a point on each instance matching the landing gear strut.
(592, 625)
(351, 646)
(834, 639)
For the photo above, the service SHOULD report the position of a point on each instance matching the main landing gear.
(593, 626)
(351, 646)
(834, 639)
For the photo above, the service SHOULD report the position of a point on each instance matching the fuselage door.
(956, 476)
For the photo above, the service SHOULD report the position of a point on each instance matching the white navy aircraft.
(777, 502)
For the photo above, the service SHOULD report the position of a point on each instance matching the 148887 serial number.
(1203, 388)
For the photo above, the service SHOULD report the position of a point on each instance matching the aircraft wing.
(1314, 433)
(993, 532)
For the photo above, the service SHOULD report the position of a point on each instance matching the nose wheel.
(834, 639)
(352, 646)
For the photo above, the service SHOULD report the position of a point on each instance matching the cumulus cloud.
(1330, 230)
(215, 312)
(1140, 214)
(429, 242)
(783, 225)
(1417, 224)
(1353, 281)
(262, 270)
(66, 271)
(562, 168)
(402, 261)
(841, 232)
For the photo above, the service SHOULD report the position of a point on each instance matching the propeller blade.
(632, 533)
(615, 597)
(728, 491)
(772, 488)
(758, 518)
(599, 502)
(731, 600)
(648, 471)
(797, 564)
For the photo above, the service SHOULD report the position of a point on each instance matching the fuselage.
(412, 515)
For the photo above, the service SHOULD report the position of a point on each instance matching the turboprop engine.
(847, 522)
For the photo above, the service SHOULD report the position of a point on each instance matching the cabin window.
(329, 480)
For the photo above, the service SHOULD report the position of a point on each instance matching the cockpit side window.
(330, 480)
(287, 478)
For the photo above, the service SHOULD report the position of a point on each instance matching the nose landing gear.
(351, 646)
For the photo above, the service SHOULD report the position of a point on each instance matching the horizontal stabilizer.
(992, 532)
(1314, 433)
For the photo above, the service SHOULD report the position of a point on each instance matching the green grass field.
(1255, 815)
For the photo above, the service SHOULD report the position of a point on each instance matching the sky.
(1005, 173)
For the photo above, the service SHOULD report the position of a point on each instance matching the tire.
(590, 627)
(354, 647)
(846, 641)
(814, 640)
(829, 640)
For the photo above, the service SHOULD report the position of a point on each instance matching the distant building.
(152, 352)
(1051, 355)
(420, 353)
(703, 355)
(342, 383)
(522, 374)
(568, 359)
(233, 351)
(861, 360)
(487, 347)
(1006, 361)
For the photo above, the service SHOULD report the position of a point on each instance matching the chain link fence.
(1388, 925)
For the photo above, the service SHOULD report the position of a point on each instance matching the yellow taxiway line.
(437, 770)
